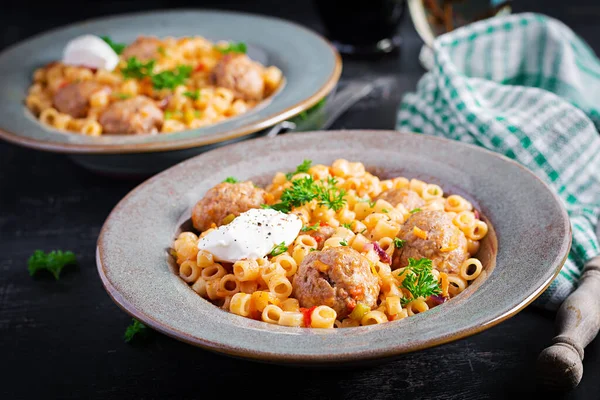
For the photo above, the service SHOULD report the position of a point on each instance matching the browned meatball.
(224, 199)
(445, 245)
(74, 98)
(240, 74)
(322, 234)
(338, 277)
(143, 48)
(136, 115)
(408, 198)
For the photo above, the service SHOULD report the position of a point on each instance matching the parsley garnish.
(117, 47)
(331, 196)
(279, 249)
(343, 242)
(233, 47)
(419, 281)
(399, 243)
(347, 226)
(171, 79)
(302, 168)
(385, 210)
(231, 179)
(135, 328)
(310, 227)
(363, 231)
(161, 51)
(122, 96)
(195, 95)
(312, 249)
(306, 189)
(52, 262)
(137, 69)
(415, 210)
(368, 200)
(168, 114)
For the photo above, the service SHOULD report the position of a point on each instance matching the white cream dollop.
(90, 51)
(253, 234)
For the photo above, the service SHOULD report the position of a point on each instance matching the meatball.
(143, 48)
(408, 198)
(223, 200)
(241, 75)
(74, 98)
(338, 277)
(136, 115)
(322, 234)
(445, 245)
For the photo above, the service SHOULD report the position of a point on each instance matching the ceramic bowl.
(310, 65)
(527, 245)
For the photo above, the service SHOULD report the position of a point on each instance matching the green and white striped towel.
(526, 86)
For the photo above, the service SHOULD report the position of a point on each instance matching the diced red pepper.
(62, 85)
(476, 214)
(307, 312)
(199, 67)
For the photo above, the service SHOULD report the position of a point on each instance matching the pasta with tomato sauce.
(355, 249)
(153, 85)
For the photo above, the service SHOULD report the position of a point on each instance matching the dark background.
(64, 339)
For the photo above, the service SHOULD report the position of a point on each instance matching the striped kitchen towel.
(526, 86)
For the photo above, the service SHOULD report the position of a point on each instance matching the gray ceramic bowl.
(310, 65)
(531, 242)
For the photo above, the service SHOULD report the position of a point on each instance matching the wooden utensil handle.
(560, 365)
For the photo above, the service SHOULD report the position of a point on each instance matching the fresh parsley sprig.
(415, 210)
(135, 329)
(419, 280)
(399, 243)
(230, 179)
(138, 69)
(53, 262)
(195, 95)
(305, 190)
(302, 168)
(307, 228)
(169, 79)
(331, 196)
(279, 249)
(117, 47)
(172, 78)
(233, 47)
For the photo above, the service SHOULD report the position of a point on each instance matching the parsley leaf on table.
(419, 281)
(52, 262)
(231, 179)
(136, 328)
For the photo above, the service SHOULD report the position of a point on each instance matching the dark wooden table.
(64, 339)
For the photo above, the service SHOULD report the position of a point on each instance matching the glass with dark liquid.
(362, 27)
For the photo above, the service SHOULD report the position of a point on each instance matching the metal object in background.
(322, 118)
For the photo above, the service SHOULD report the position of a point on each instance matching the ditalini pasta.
(369, 250)
(157, 86)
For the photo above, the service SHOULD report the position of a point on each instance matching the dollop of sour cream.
(253, 234)
(90, 51)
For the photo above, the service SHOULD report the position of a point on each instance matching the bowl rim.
(199, 141)
(327, 360)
